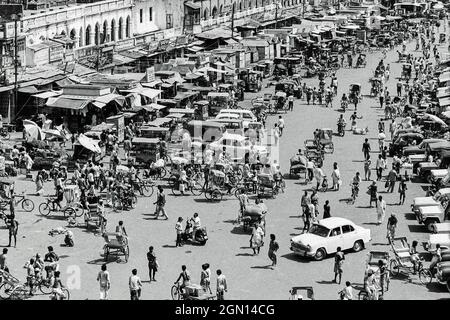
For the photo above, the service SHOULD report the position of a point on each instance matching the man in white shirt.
(135, 285)
(196, 223)
(280, 124)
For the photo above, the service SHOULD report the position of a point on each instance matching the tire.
(19, 293)
(202, 243)
(320, 254)
(106, 253)
(147, 190)
(208, 194)
(66, 294)
(448, 285)
(362, 295)
(358, 246)
(79, 210)
(429, 224)
(5, 290)
(175, 293)
(44, 209)
(216, 196)
(27, 205)
(172, 180)
(394, 268)
(196, 189)
(45, 287)
(425, 276)
(162, 173)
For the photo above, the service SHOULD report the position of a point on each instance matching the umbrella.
(435, 119)
(179, 160)
(32, 130)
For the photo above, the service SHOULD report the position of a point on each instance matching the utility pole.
(232, 21)
(276, 14)
(11, 113)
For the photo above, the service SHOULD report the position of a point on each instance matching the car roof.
(430, 209)
(234, 111)
(444, 190)
(231, 136)
(334, 222)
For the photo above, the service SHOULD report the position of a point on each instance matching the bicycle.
(27, 204)
(191, 185)
(74, 209)
(145, 187)
(176, 292)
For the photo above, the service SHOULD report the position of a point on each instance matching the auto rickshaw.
(280, 101)
(326, 140)
(201, 109)
(286, 86)
(406, 71)
(354, 92)
(217, 102)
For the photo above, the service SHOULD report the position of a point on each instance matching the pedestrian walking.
(391, 226)
(152, 264)
(319, 175)
(160, 203)
(381, 209)
(338, 263)
(256, 239)
(402, 190)
(135, 285)
(179, 230)
(307, 216)
(373, 191)
(3, 258)
(380, 166)
(381, 138)
(367, 172)
(273, 248)
(105, 282)
(391, 179)
(205, 278)
(315, 203)
(336, 177)
(291, 102)
(392, 127)
(281, 125)
(366, 149)
(326, 210)
(221, 285)
(304, 202)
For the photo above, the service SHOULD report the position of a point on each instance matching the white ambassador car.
(327, 235)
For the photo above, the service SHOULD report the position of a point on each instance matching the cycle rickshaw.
(266, 182)
(296, 296)
(376, 86)
(117, 245)
(402, 262)
(190, 292)
(354, 94)
(372, 266)
(326, 140)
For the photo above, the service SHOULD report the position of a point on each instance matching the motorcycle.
(199, 236)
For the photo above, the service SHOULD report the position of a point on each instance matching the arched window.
(128, 28)
(105, 36)
(240, 6)
(120, 30)
(88, 35)
(72, 34)
(63, 33)
(214, 12)
(206, 14)
(113, 31)
(221, 9)
(97, 34)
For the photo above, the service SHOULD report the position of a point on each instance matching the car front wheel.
(320, 254)
(358, 246)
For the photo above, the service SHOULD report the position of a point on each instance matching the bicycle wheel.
(5, 290)
(44, 209)
(162, 173)
(45, 287)
(172, 180)
(66, 294)
(196, 188)
(216, 196)
(20, 292)
(175, 293)
(27, 205)
(363, 295)
(394, 268)
(79, 210)
(425, 276)
(147, 190)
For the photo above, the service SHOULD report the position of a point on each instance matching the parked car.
(431, 215)
(327, 235)
(439, 197)
(237, 146)
(420, 148)
(424, 168)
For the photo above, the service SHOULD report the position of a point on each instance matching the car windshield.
(319, 230)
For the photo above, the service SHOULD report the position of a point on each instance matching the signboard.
(56, 53)
(153, 46)
(150, 74)
(181, 41)
(163, 44)
(126, 44)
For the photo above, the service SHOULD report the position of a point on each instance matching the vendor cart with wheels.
(115, 244)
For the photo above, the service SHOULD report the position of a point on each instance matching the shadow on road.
(169, 246)
(410, 216)
(240, 230)
(416, 228)
(436, 287)
(262, 267)
(294, 257)
(325, 282)
(371, 223)
(244, 255)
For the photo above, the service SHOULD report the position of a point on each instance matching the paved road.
(227, 249)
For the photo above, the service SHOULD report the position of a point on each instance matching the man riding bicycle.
(184, 275)
(355, 185)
